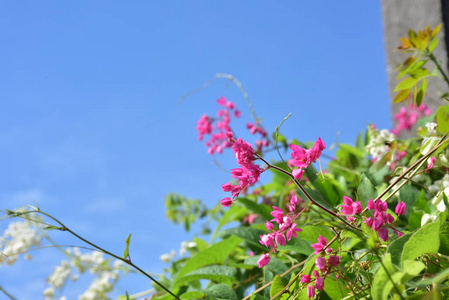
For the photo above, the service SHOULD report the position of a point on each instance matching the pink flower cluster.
(302, 158)
(407, 118)
(218, 140)
(380, 221)
(350, 208)
(257, 129)
(286, 230)
(247, 174)
(323, 265)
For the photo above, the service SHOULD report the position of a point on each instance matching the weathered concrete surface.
(398, 17)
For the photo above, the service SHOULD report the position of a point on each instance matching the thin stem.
(437, 64)
(416, 163)
(282, 275)
(245, 94)
(389, 277)
(65, 228)
(307, 194)
(7, 293)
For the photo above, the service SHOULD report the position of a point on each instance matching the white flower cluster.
(439, 188)
(19, 237)
(167, 257)
(377, 145)
(106, 274)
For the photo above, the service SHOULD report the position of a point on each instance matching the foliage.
(372, 224)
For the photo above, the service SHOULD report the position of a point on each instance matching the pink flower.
(225, 202)
(227, 187)
(305, 278)
(322, 242)
(431, 163)
(269, 225)
(267, 240)
(320, 263)
(278, 214)
(350, 207)
(319, 283)
(371, 204)
(263, 260)
(383, 234)
(294, 200)
(298, 173)
(222, 101)
(333, 260)
(292, 231)
(400, 208)
(280, 239)
(310, 291)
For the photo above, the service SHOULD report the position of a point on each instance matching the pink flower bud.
(227, 187)
(269, 225)
(263, 260)
(310, 291)
(225, 202)
(400, 208)
(371, 205)
(305, 278)
(319, 283)
(320, 263)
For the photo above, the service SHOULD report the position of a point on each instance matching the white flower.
(184, 246)
(18, 237)
(431, 128)
(377, 144)
(426, 218)
(165, 257)
(49, 293)
(60, 274)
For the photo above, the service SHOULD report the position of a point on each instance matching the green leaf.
(128, 240)
(334, 288)
(249, 234)
(311, 234)
(444, 238)
(222, 274)
(397, 247)
(275, 265)
(276, 286)
(215, 254)
(411, 269)
(330, 190)
(366, 191)
(193, 295)
(221, 291)
(406, 83)
(262, 209)
(443, 119)
(235, 212)
(433, 44)
(442, 276)
(402, 95)
(127, 295)
(298, 245)
(382, 284)
(425, 240)
(421, 93)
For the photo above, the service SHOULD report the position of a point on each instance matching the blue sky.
(91, 126)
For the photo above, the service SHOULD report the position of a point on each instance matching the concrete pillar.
(398, 17)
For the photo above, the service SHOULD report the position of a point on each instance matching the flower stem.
(7, 293)
(303, 190)
(65, 228)
(437, 64)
